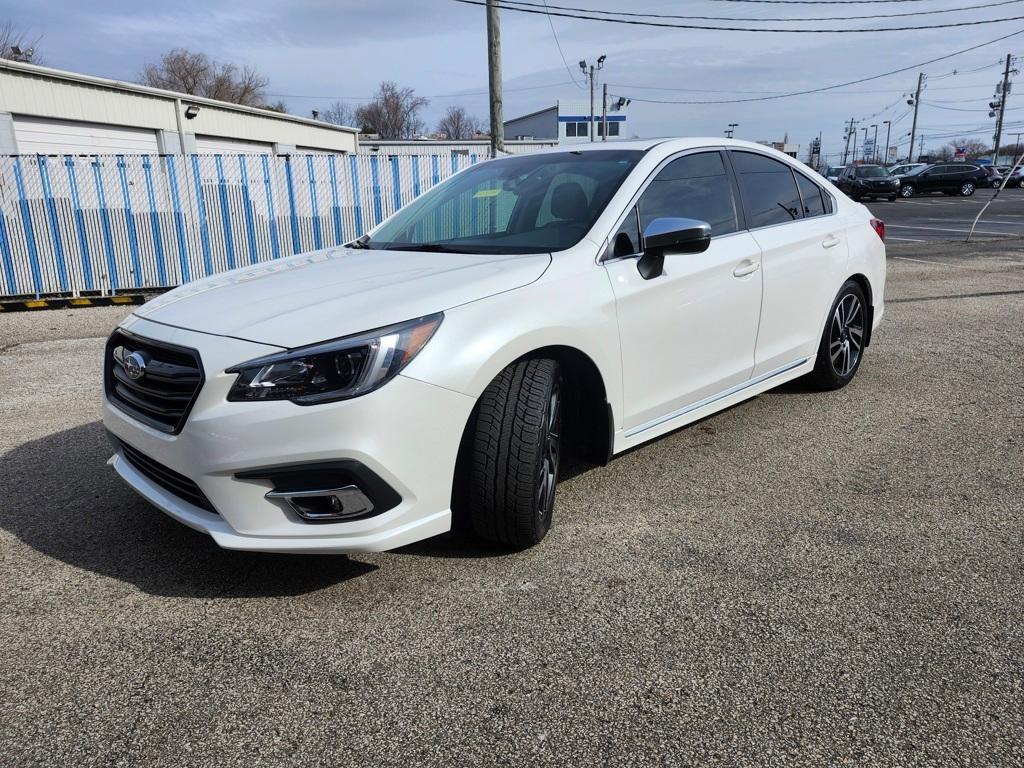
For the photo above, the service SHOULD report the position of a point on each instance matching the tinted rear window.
(769, 191)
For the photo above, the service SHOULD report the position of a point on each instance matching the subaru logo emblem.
(133, 363)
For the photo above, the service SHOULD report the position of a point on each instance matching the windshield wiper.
(426, 248)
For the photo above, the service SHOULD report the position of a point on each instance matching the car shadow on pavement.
(61, 499)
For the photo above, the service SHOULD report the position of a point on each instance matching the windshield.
(527, 204)
(871, 172)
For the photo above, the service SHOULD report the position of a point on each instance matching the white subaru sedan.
(434, 372)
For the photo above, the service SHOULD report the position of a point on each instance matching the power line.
(820, 2)
(837, 85)
(631, 14)
(572, 75)
(665, 25)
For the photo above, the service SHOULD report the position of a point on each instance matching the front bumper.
(407, 433)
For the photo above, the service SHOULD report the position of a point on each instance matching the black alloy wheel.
(841, 348)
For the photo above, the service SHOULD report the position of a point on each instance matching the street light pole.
(888, 128)
(590, 75)
(874, 144)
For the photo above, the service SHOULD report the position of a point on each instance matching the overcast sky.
(314, 51)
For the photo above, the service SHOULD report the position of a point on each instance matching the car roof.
(669, 143)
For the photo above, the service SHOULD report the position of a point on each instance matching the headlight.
(333, 370)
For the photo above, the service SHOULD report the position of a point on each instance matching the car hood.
(336, 292)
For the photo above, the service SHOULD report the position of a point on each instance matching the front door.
(688, 333)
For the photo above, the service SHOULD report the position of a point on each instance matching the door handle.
(746, 268)
(830, 242)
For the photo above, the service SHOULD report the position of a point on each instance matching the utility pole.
(920, 149)
(915, 102)
(888, 128)
(874, 144)
(494, 78)
(849, 132)
(731, 129)
(853, 157)
(1004, 92)
(604, 112)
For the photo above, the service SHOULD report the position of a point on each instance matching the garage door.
(45, 136)
(216, 145)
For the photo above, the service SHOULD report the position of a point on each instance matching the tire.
(967, 189)
(891, 198)
(516, 448)
(907, 191)
(842, 341)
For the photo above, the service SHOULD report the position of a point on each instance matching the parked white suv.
(362, 398)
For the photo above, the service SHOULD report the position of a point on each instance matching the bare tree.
(16, 45)
(393, 113)
(197, 74)
(458, 124)
(339, 113)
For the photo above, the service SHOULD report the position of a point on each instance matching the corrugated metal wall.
(106, 223)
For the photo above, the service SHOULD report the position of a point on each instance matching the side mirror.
(671, 234)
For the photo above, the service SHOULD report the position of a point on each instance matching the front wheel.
(891, 198)
(967, 189)
(842, 341)
(516, 450)
(907, 191)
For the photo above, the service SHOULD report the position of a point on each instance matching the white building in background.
(49, 111)
(567, 122)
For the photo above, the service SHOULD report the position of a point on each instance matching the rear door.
(803, 251)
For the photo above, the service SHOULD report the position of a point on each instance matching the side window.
(769, 191)
(692, 187)
(811, 195)
(627, 240)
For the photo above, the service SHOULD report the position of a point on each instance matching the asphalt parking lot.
(933, 217)
(805, 579)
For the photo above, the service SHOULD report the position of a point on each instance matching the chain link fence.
(103, 224)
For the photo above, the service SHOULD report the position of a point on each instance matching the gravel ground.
(805, 579)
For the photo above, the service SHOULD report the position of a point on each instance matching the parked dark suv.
(949, 178)
(862, 181)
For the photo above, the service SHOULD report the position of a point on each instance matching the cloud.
(316, 50)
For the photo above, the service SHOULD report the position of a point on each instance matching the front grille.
(165, 387)
(166, 478)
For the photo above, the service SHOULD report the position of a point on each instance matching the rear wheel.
(907, 191)
(516, 451)
(842, 342)
(891, 198)
(967, 188)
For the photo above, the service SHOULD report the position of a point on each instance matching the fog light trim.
(335, 503)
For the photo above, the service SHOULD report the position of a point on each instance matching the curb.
(32, 305)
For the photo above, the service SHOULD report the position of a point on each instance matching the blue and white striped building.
(567, 123)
